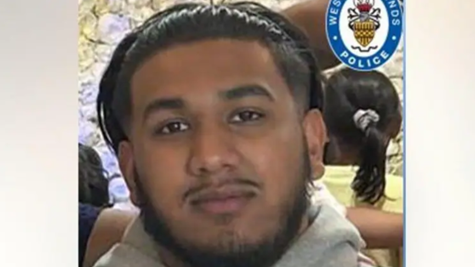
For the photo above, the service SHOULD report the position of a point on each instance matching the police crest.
(364, 34)
(364, 22)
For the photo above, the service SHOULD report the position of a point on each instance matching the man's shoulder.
(122, 255)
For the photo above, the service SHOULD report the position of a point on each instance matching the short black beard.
(264, 254)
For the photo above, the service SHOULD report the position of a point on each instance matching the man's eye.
(172, 127)
(246, 116)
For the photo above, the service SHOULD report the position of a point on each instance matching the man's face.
(218, 154)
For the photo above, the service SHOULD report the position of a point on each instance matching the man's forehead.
(207, 65)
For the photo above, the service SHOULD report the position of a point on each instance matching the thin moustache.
(222, 190)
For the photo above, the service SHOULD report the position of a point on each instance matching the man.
(208, 110)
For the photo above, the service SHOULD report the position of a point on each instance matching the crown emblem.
(364, 6)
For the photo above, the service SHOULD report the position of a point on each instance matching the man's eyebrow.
(163, 104)
(234, 93)
(246, 91)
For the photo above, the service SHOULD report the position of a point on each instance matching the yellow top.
(338, 181)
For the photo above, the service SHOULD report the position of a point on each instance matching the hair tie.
(364, 118)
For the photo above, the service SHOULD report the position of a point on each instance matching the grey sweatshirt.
(330, 241)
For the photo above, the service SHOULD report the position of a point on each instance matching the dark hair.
(190, 22)
(93, 183)
(347, 92)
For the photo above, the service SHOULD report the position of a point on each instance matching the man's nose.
(212, 151)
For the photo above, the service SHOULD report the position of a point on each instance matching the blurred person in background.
(363, 113)
(381, 228)
(99, 226)
(309, 16)
(99, 230)
(93, 183)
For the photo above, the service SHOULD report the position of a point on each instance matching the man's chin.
(223, 236)
(228, 242)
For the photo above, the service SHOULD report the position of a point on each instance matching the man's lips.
(223, 200)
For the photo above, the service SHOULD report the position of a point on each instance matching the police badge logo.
(364, 34)
(364, 21)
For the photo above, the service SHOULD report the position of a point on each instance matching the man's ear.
(316, 135)
(127, 167)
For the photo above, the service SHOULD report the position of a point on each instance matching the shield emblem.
(364, 32)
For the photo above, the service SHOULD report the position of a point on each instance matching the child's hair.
(93, 183)
(359, 107)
